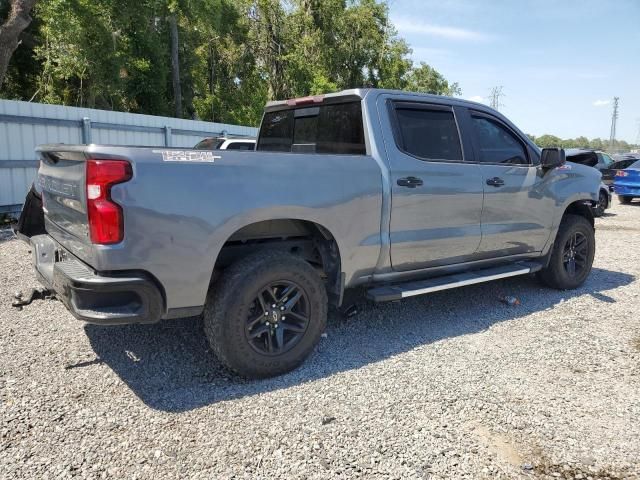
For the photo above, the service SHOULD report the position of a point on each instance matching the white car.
(223, 143)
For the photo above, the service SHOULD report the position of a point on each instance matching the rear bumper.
(631, 190)
(115, 299)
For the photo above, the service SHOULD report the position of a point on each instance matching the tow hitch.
(19, 300)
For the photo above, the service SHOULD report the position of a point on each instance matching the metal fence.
(24, 125)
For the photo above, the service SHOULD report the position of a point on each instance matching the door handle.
(495, 182)
(410, 182)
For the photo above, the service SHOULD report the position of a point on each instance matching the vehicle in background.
(627, 183)
(604, 200)
(599, 160)
(398, 192)
(602, 162)
(224, 143)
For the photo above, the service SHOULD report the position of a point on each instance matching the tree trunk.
(10, 31)
(175, 64)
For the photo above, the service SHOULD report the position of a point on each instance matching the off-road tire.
(625, 199)
(229, 302)
(555, 274)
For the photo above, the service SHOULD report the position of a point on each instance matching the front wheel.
(572, 256)
(265, 314)
(625, 199)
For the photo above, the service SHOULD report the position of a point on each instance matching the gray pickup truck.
(402, 193)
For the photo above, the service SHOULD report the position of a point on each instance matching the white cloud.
(476, 98)
(601, 103)
(405, 25)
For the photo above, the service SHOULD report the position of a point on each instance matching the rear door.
(517, 214)
(436, 197)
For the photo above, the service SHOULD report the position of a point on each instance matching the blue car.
(626, 183)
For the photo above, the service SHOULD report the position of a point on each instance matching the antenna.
(614, 121)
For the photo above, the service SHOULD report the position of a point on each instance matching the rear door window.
(329, 129)
(428, 134)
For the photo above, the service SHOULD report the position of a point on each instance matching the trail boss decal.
(187, 156)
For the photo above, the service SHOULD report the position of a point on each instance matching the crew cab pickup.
(399, 192)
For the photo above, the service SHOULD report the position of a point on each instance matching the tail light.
(622, 173)
(106, 222)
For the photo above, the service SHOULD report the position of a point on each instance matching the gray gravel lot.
(450, 385)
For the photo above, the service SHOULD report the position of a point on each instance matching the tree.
(216, 60)
(427, 80)
(548, 141)
(18, 19)
(175, 64)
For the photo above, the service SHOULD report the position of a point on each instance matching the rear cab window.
(334, 128)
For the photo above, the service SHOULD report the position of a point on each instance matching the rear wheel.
(265, 314)
(625, 198)
(573, 252)
(603, 203)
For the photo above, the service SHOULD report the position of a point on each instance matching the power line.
(494, 97)
(614, 121)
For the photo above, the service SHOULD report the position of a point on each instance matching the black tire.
(240, 293)
(603, 203)
(558, 274)
(625, 199)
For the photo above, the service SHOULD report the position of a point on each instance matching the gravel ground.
(450, 385)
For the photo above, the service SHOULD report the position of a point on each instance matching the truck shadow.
(170, 367)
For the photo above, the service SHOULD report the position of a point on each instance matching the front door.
(436, 197)
(517, 214)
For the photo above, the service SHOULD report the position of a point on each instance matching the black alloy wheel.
(575, 254)
(278, 318)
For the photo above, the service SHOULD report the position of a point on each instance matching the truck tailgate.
(61, 181)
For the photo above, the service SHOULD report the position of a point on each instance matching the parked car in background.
(224, 143)
(604, 200)
(627, 183)
(602, 162)
(622, 164)
(598, 160)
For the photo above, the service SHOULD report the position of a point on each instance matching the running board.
(403, 290)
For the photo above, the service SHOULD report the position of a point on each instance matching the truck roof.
(361, 93)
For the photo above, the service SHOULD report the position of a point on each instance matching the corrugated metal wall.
(24, 125)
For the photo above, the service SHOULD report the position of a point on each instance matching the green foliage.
(550, 141)
(234, 55)
(426, 79)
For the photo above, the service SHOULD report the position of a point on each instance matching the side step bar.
(403, 290)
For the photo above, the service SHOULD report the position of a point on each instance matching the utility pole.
(494, 97)
(614, 121)
(638, 135)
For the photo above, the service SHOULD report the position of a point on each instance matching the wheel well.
(309, 240)
(582, 208)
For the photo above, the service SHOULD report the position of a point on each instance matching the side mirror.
(552, 158)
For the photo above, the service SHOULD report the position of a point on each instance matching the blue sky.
(560, 62)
